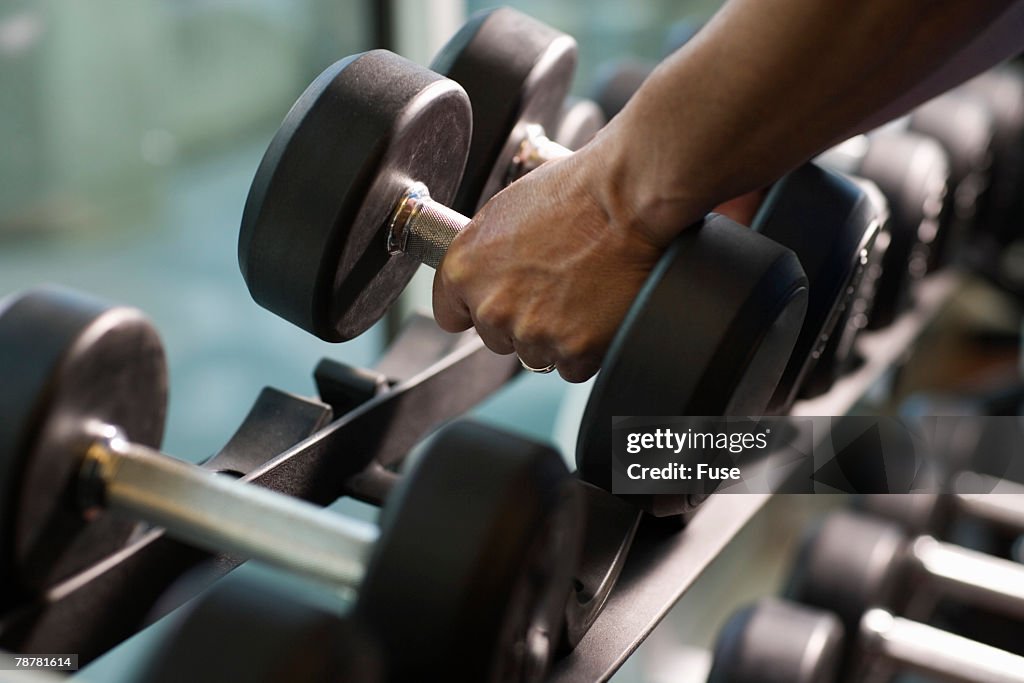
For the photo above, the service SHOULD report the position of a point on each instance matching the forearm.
(766, 85)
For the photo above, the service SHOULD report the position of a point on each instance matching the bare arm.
(769, 83)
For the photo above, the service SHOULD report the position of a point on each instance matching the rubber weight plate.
(709, 334)
(517, 71)
(831, 225)
(470, 577)
(312, 245)
(244, 629)
(70, 363)
(775, 641)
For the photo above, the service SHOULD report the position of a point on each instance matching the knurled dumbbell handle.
(223, 515)
(424, 229)
(913, 646)
(973, 577)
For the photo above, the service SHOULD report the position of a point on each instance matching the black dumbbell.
(744, 295)
(478, 540)
(854, 562)
(776, 641)
(912, 171)
(256, 631)
(517, 103)
(839, 354)
(513, 64)
(981, 511)
(963, 126)
(832, 226)
(517, 72)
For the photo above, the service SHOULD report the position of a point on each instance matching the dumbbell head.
(913, 172)
(831, 224)
(252, 630)
(963, 126)
(312, 245)
(838, 354)
(517, 72)
(709, 334)
(70, 364)
(616, 82)
(472, 571)
(581, 120)
(775, 641)
(961, 123)
(847, 565)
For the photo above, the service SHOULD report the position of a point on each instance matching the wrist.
(638, 191)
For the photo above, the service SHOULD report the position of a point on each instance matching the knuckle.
(527, 335)
(534, 330)
(576, 347)
(495, 312)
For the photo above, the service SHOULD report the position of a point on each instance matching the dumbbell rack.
(304, 447)
(662, 567)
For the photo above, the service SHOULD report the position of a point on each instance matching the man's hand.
(544, 271)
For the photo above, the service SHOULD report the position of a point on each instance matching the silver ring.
(540, 371)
